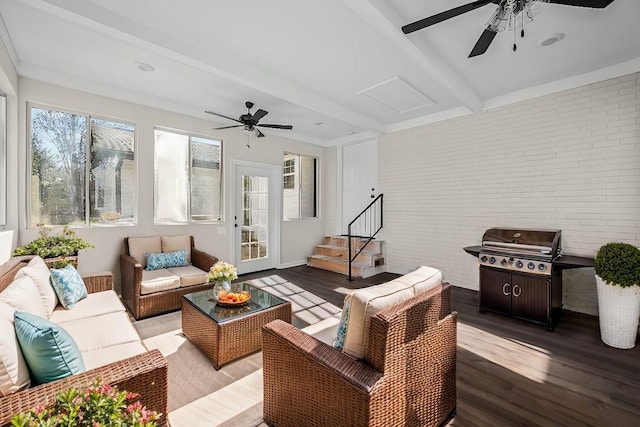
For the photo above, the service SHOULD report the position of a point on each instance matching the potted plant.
(617, 268)
(96, 405)
(56, 250)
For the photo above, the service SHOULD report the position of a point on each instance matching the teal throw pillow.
(68, 285)
(342, 327)
(156, 261)
(49, 350)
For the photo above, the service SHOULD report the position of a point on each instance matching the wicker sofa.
(405, 377)
(123, 362)
(148, 293)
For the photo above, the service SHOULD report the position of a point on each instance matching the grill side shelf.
(566, 262)
(473, 250)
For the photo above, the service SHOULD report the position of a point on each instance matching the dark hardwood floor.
(513, 373)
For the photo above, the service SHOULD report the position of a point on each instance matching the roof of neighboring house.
(108, 138)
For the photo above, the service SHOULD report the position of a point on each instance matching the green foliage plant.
(95, 405)
(618, 264)
(52, 246)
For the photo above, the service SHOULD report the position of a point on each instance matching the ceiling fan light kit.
(509, 14)
(250, 122)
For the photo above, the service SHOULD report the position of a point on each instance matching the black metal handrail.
(365, 222)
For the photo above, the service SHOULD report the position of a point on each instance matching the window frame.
(190, 135)
(4, 193)
(86, 221)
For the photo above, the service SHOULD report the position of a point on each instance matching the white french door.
(256, 216)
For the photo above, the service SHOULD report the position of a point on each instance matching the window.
(3, 159)
(300, 186)
(61, 176)
(187, 179)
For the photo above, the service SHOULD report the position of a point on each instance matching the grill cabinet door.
(495, 290)
(531, 298)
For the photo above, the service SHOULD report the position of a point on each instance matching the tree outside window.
(68, 189)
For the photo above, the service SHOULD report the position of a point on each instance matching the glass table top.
(205, 301)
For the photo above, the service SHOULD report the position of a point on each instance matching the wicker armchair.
(144, 374)
(158, 302)
(407, 377)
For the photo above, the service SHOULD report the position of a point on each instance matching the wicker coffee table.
(224, 334)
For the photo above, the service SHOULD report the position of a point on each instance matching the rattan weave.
(158, 302)
(232, 339)
(145, 374)
(407, 377)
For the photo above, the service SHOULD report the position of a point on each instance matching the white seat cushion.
(364, 303)
(158, 280)
(175, 243)
(95, 304)
(324, 330)
(190, 275)
(104, 356)
(104, 331)
(40, 274)
(23, 295)
(138, 246)
(14, 372)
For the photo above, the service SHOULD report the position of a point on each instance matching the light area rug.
(232, 396)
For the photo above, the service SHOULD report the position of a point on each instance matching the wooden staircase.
(333, 255)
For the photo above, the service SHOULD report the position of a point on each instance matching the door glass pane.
(255, 217)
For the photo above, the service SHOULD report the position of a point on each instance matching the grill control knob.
(492, 260)
(519, 264)
(542, 267)
(531, 266)
(503, 262)
(484, 258)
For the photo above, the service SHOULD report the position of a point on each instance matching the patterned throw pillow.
(166, 259)
(49, 350)
(68, 285)
(342, 326)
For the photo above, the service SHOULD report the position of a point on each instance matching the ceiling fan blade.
(443, 16)
(260, 134)
(221, 115)
(227, 127)
(596, 4)
(483, 43)
(258, 115)
(289, 127)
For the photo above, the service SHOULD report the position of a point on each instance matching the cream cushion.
(40, 274)
(158, 280)
(190, 275)
(104, 356)
(138, 246)
(98, 332)
(324, 330)
(14, 373)
(366, 302)
(23, 295)
(95, 304)
(175, 243)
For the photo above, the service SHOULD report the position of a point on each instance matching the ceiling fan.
(507, 13)
(250, 121)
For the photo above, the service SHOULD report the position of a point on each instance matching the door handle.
(505, 289)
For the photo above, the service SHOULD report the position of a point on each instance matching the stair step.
(338, 265)
(356, 242)
(364, 257)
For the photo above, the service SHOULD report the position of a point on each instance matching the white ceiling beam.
(236, 69)
(424, 57)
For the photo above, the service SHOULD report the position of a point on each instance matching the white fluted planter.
(619, 311)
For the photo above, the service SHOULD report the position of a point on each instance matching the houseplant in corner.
(617, 267)
(56, 250)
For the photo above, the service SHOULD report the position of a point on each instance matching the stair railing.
(367, 224)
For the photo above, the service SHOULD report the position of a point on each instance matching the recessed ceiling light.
(553, 38)
(143, 66)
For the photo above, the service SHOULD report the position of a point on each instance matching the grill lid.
(522, 241)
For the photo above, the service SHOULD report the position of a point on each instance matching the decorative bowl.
(232, 299)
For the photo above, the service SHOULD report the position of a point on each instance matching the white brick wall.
(569, 160)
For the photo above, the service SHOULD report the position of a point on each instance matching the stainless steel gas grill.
(518, 277)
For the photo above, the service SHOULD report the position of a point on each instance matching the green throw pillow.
(49, 350)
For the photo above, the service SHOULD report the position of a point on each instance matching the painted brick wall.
(570, 160)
